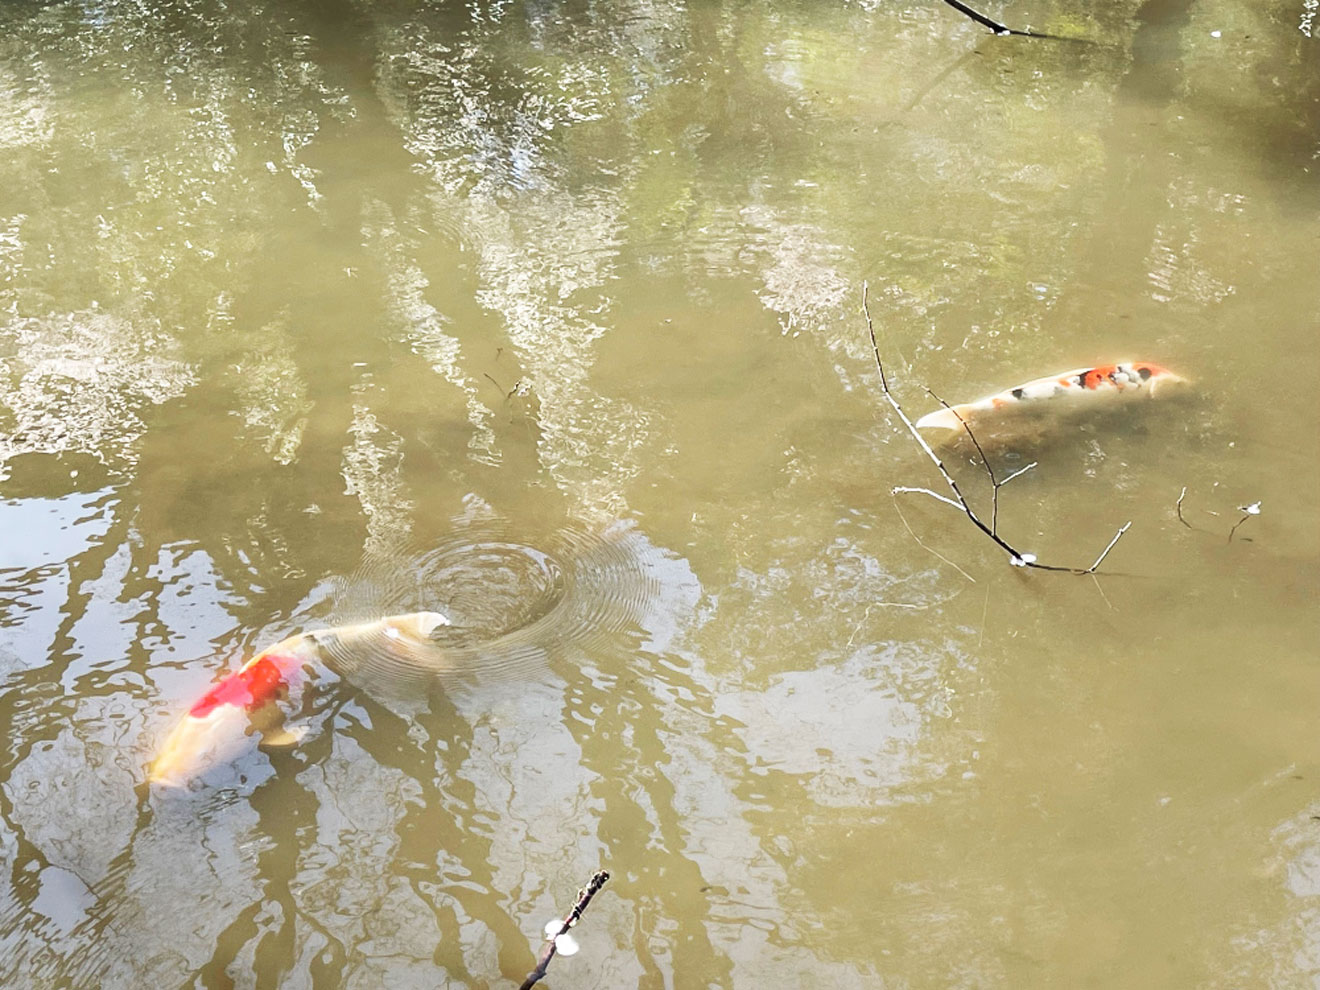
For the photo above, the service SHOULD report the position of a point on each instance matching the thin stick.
(906, 490)
(994, 495)
(918, 538)
(1019, 471)
(1247, 512)
(967, 427)
(995, 482)
(1182, 495)
(1003, 30)
(916, 435)
(995, 26)
(1016, 557)
(1105, 552)
(1103, 596)
(584, 897)
(1244, 518)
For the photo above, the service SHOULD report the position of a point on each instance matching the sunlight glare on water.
(547, 318)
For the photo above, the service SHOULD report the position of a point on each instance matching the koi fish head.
(198, 743)
(217, 726)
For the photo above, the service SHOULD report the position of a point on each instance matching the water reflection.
(77, 382)
(280, 289)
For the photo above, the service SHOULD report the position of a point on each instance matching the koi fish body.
(217, 726)
(1035, 402)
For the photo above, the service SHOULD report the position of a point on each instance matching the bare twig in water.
(1103, 596)
(520, 387)
(552, 937)
(1015, 557)
(867, 613)
(995, 482)
(1105, 552)
(918, 538)
(1182, 495)
(906, 490)
(1003, 30)
(1247, 512)
(980, 18)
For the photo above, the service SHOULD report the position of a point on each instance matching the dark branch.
(1016, 557)
(1247, 512)
(1002, 30)
(1182, 495)
(980, 18)
(995, 482)
(584, 897)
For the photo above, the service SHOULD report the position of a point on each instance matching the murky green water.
(284, 286)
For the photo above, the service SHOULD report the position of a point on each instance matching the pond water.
(286, 287)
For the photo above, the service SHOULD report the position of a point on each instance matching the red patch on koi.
(1096, 377)
(249, 687)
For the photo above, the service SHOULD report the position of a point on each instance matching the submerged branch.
(1182, 495)
(1247, 512)
(553, 936)
(913, 534)
(1253, 509)
(995, 482)
(1015, 557)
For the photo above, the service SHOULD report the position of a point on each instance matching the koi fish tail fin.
(946, 419)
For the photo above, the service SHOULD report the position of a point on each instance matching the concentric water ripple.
(513, 602)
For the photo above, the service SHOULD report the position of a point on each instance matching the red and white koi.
(1078, 391)
(218, 725)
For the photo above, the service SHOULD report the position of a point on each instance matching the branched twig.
(906, 490)
(994, 518)
(995, 482)
(584, 897)
(1247, 512)
(1002, 30)
(1015, 556)
(520, 387)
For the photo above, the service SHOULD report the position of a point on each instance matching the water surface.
(293, 286)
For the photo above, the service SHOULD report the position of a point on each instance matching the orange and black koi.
(1076, 391)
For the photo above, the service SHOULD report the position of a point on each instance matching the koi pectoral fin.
(284, 735)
